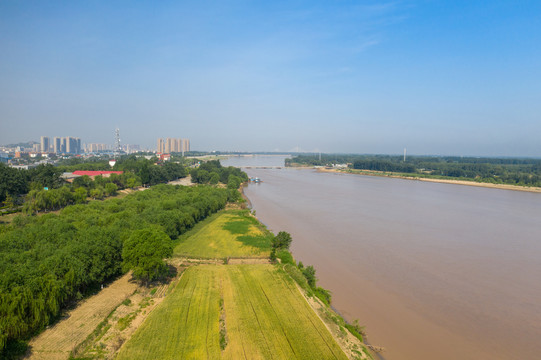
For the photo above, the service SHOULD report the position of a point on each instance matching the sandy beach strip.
(445, 181)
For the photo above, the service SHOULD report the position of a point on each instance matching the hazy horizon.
(365, 77)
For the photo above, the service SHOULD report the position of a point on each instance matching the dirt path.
(352, 347)
(235, 261)
(58, 341)
(186, 181)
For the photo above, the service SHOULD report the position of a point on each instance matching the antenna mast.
(117, 147)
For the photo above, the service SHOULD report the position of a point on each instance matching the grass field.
(233, 312)
(231, 233)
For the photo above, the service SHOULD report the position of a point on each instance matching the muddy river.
(434, 271)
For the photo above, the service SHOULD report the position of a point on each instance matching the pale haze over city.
(339, 179)
(437, 77)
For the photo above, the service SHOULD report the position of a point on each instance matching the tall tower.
(117, 148)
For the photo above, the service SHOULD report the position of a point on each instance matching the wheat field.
(233, 312)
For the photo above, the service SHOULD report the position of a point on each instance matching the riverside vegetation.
(214, 309)
(221, 310)
(510, 171)
(46, 262)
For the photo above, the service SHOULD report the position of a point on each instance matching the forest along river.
(434, 271)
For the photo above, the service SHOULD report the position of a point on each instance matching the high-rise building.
(45, 143)
(57, 145)
(131, 148)
(171, 145)
(161, 146)
(96, 147)
(63, 145)
(70, 145)
(185, 147)
(73, 145)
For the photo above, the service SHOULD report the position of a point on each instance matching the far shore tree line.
(513, 171)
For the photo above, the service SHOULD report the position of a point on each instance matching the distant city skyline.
(437, 77)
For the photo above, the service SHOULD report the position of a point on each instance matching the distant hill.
(27, 144)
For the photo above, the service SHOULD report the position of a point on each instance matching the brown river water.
(434, 271)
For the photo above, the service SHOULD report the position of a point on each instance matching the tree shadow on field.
(172, 272)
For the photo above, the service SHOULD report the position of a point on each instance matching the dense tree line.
(138, 171)
(50, 260)
(16, 182)
(77, 163)
(212, 172)
(40, 199)
(384, 165)
(514, 171)
(148, 172)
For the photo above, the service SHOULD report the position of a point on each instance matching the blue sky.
(437, 77)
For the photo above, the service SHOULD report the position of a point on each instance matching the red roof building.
(93, 174)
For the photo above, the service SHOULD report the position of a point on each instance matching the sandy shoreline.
(445, 181)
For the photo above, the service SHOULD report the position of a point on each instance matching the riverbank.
(421, 265)
(444, 181)
(263, 311)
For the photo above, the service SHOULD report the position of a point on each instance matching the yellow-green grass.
(265, 317)
(232, 233)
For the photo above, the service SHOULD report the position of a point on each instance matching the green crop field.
(233, 312)
(232, 233)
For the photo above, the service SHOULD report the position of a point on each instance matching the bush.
(285, 257)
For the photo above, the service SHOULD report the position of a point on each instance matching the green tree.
(130, 183)
(12, 181)
(273, 255)
(214, 178)
(47, 176)
(80, 195)
(96, 193)
(144, 251)
(203, 176)
(234, 182)
(84, 181)
(110, 189)
(144, 173)
(282, 240)
(310, 274)
(9, 203)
